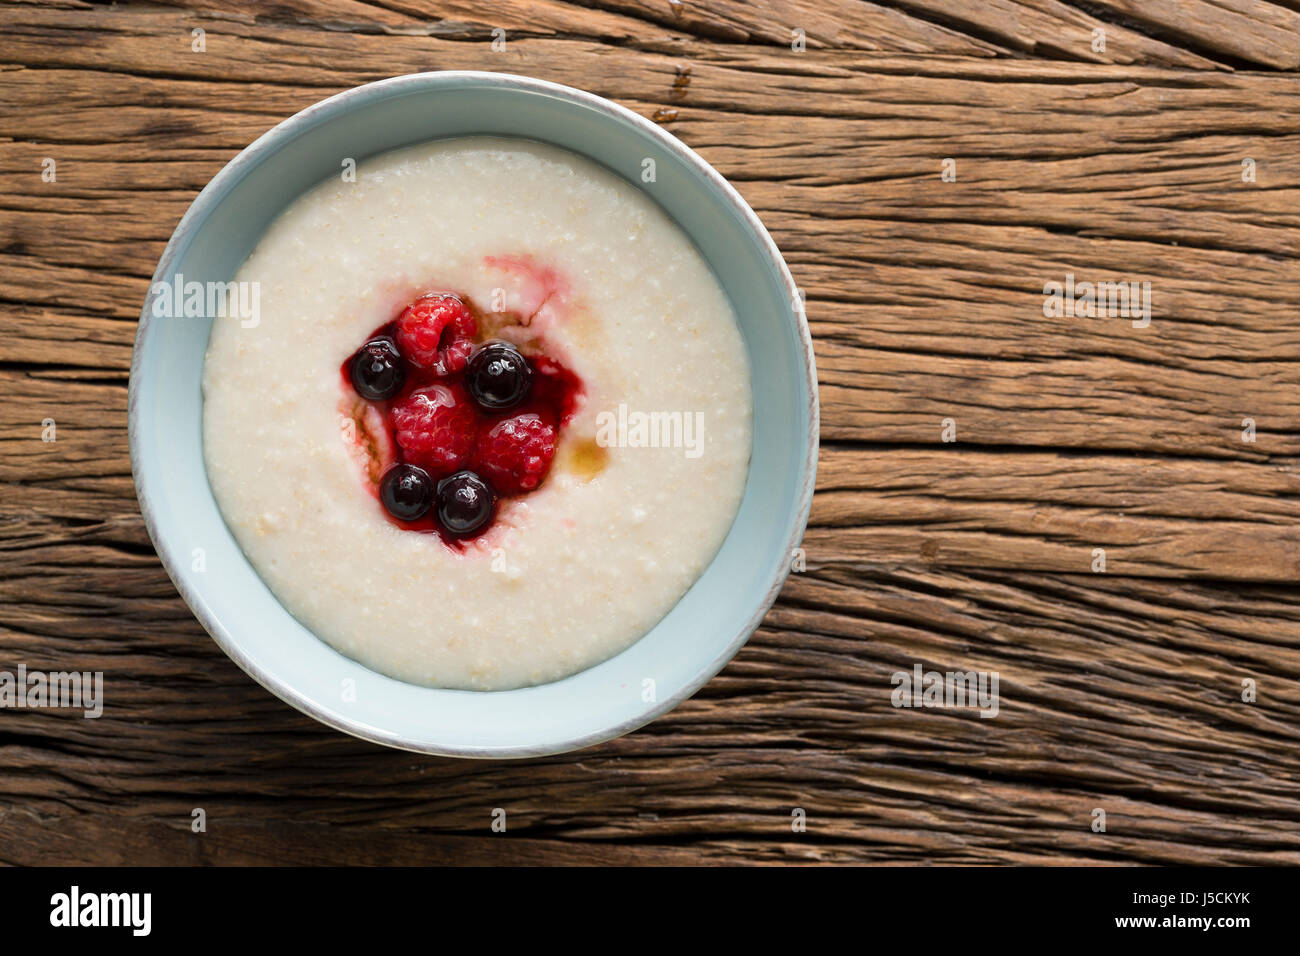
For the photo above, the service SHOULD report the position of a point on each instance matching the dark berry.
(406, 491)
(377, 370)
(465, 503)
(499, 377)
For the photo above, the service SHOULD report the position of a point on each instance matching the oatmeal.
(493, 421)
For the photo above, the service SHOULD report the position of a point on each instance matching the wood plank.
(802, 718)
(894, 266)
(1265, 34)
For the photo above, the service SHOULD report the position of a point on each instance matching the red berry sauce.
(554, 397)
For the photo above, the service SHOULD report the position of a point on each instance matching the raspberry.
(515, 453)
(436, 427)
(436, 332)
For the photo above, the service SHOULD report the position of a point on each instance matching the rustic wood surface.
(1120, 690)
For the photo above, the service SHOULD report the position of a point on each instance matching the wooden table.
(1168, 154)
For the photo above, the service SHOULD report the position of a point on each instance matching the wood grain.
(1120, 690)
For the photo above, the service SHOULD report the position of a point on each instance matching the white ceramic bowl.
(710, 623)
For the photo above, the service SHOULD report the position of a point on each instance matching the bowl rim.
(229, 175)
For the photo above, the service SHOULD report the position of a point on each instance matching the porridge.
(494, 418)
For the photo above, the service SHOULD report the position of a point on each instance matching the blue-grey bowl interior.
(709, 624)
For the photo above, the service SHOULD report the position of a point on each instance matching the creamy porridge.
(608, 487)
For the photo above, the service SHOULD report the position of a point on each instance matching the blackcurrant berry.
(498, 376)
(465, 503)
(407, 492)
(377, 369)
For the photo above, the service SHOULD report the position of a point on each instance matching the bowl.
(711, 621)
